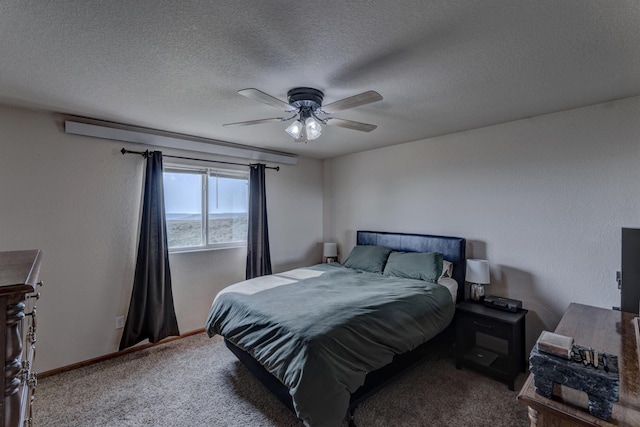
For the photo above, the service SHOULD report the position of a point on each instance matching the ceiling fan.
(305, 104)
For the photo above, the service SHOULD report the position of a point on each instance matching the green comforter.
(321, 335)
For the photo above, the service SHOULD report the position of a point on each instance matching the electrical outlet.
(119, 322)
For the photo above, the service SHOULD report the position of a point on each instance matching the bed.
(325, 337)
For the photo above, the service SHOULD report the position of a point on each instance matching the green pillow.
(415, 265)
(368, 258)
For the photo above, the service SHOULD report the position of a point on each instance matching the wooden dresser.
(602, 329)
(19, 272)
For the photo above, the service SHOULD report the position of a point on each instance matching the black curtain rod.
(146, 153)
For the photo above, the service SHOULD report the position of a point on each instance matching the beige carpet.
(196, 381)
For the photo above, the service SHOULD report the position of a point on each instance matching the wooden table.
(602, 329)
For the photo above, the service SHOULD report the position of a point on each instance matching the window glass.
(183, 208)
(220, 196)
(228, 204)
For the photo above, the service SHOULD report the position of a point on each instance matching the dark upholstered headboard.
(452, 248)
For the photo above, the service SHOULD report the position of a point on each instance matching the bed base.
(434, 349)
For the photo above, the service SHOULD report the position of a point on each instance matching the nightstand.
(491, 340)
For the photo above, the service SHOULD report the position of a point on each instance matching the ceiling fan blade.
(353, 101)
(349, 124)
(255, 122)
(258, 95)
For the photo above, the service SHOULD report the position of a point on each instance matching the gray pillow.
(415, 265)
(368, 258)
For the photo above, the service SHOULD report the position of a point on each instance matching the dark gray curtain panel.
(258, 255)
(151, 311)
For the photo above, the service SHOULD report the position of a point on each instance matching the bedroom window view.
(191, 195)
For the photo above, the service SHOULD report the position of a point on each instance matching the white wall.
(78, 199)
(543, 199)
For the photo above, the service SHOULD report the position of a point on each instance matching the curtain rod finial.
(123, 151)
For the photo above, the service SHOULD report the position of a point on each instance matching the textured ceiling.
(441, 66)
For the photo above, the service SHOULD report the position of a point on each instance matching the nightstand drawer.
(487, 326)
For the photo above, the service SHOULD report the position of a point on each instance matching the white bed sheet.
(450, 284)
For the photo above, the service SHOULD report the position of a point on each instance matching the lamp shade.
(330, 250)
(478, 271)
(313, 128)
(295, 129)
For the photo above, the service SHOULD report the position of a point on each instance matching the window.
(220, 196)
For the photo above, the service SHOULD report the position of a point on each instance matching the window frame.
(205, 173)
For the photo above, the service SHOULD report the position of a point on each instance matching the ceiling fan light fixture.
(295, 129)
(305, 103)
(313, 128)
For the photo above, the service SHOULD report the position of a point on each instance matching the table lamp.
(330, 252)
(478, 276)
